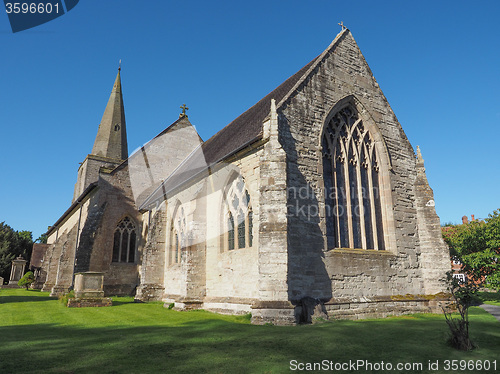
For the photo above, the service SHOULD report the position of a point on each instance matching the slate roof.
(84, 194)
(248, 126)
(243, 131)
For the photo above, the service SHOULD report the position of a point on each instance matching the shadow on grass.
(122, 302)
(216, 346)
(24, 299)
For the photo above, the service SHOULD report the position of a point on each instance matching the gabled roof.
(248, 126)
(243, 131)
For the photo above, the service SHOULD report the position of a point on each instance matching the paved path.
(494, 310)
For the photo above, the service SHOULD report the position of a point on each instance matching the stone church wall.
(88, 172)
(435, 255)
(232, 276)
(114, 203)
(351, 274)
(289, 260)
(84, 240)
(208, 275)
(152, 267)
(185, 280)
(61, 258)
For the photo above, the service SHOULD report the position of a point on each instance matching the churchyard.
(38, 334)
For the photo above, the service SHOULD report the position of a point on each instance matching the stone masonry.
(273, 257)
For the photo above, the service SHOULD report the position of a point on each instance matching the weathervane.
(184, 108)
(341, 24)
(120, 65)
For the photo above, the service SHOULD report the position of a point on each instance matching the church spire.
(111, 139)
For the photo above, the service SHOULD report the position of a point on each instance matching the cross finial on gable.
(341, 24)
(184, 108)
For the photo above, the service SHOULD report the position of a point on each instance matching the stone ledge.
(388, 298)
(362, 252)
(273, 316)
(227, 308)
(272, 304)
(230, 300)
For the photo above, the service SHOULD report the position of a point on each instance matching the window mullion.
(372, 200)
(120, 251)
(348, 197)
(359, 186)
(361, 205)
(128, 244)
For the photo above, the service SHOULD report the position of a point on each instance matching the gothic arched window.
(125, 241)
(178, 236)
(352, 184)
(239, 216)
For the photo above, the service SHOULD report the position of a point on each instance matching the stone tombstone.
(1, 282)
(17, 270)
(89, 291)
(89, 285)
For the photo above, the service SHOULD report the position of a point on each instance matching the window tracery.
(178, 235)
(352, 184)
(125, 241)
(239, 216)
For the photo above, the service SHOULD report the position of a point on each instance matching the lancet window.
(351, 172)
(178, 236)
(125, 241)
(239, 216)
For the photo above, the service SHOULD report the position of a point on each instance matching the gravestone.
(89, 291)
(17, 270)
(1, 282)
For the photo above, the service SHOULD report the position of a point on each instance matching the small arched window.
(352, 184)
(125, 241)
(230, 231)
(178, 236)
(239, 221)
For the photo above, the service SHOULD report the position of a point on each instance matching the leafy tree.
(477, 245)
(464, 294)
(13, 244)
(26, 280)
(42, 239)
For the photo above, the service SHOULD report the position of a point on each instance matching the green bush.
(26, 280)
(64, 298)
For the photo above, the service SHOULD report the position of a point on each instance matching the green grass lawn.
(492, 298)
(39, 335)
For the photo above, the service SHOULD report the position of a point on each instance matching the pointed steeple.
(111, 139)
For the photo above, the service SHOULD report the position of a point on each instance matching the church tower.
(110, 146)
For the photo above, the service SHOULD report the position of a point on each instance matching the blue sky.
(438, 63)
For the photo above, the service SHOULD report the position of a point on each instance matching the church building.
(312, 202)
